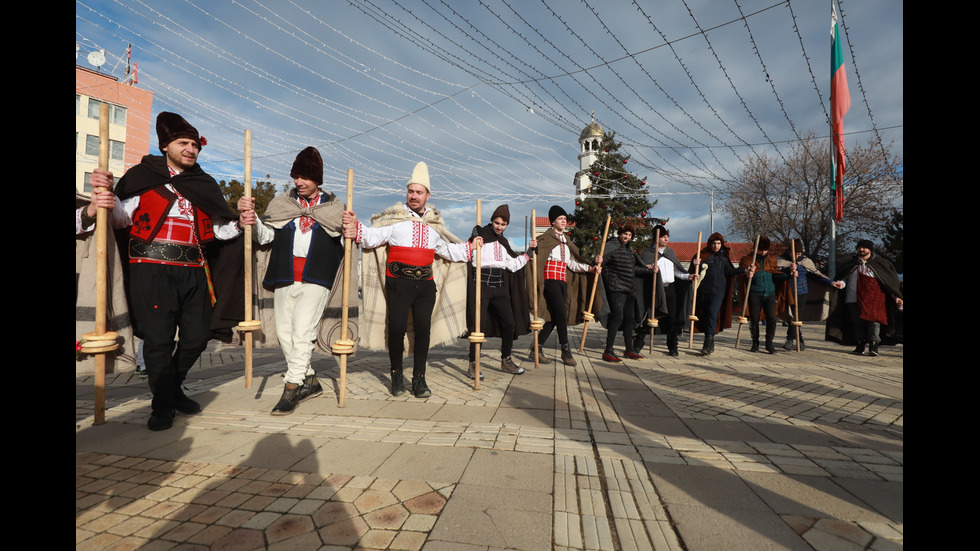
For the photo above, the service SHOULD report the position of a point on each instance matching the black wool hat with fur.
(503, 211)
(309, 165)
(171, 126)
(555, 212)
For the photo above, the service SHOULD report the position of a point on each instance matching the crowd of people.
(184, 264)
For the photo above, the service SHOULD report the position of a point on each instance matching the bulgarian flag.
(840, 102)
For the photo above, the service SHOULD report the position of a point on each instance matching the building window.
(117, 114)
(117, 149)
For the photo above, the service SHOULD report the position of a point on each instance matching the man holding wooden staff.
(401, 274)
(761, 292)
(714, 307)
(794, 303)
(673, 291)
(304, 227)
(174, 211)
(622, 266)
(560, 285)
(504, 310)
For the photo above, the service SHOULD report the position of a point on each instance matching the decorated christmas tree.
(615, 192)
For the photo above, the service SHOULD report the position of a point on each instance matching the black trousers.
(495, 302)
(555, 297)
(791, 331)
(622, 315)
(759, 304)
(418, 298)
(165, 299)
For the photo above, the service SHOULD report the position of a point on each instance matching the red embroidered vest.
(151, 214)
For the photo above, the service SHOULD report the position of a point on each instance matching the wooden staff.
(537, 323)
(653, 294)
(248, 325)
(345, 346)
(745, 299)
(476, 337)
(694, 296)
(796, 299)
(595, 282)
(100, 341)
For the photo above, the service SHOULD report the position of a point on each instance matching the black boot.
(397, 382)
(709, 345)
(542, 359)
(419, 388)
(755, 345)
(161, 420)
(769, 347)
(672, 345)
(566, 355)
(184, 404)
(289, 400)
(859, 349)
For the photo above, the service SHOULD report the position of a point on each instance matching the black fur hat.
(308, 164)
(171, 126)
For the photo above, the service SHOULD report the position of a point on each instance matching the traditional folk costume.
(562, 285)
(411, 265)
(809, 281)
(304, 265)
(172, 219)
(504, 310)
(715, 291)
(761, 294)
(673, 295)
(621, 266)
(870, 289)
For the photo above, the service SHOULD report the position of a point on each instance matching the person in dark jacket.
(762, 292)
(795, 303)
(872, 293)
(715, 289)
(621, 265)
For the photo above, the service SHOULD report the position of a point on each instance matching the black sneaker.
(471, 372)
(290, 399)
(310, 388)
(419, 388)
(397, 383)
(610, 357)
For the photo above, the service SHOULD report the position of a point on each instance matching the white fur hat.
(420, 176)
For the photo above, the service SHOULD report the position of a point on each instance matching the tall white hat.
(420, 176)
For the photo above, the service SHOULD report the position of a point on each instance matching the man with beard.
(405, 239)
(504, 310)
(872, 293)
(174, 210)
(673, 291)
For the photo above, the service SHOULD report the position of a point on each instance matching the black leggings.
(417, 297)
(496, 303)
(555, 297)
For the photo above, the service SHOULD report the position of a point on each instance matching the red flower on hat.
(204, 141)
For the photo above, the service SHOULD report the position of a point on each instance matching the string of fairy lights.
(496, 116)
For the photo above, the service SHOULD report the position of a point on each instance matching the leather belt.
(408, 271)
(167, 252)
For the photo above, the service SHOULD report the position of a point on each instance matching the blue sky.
(492, 95)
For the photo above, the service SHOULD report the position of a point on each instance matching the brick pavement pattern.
(736, 450)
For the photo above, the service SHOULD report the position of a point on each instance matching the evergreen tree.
(893, 244)
(263, 193)
(615, 192)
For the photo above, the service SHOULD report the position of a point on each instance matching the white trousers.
(298, 309)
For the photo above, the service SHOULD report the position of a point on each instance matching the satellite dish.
(96, 58)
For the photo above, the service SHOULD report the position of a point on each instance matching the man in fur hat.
(872, 293)
(559, 286)
(175, 212)
(411, 264)
(673, 292)
(715, 290)
(304, 227)
(504, 310)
